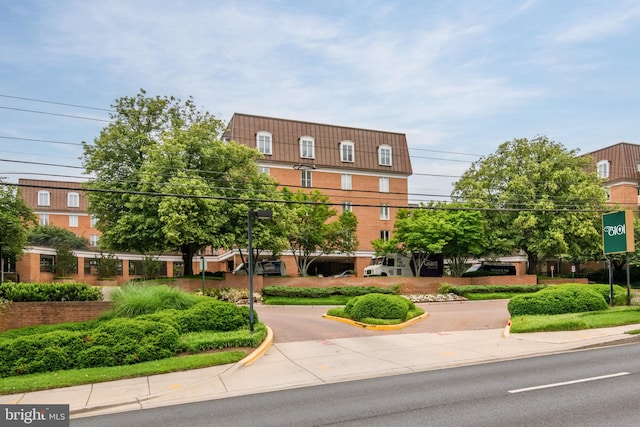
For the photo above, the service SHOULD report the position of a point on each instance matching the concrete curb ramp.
(378, 327)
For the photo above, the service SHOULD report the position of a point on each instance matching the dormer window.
(73, 200)
(384, 155)
(264, 142)
(347, 151)
(307, 145)
(603, 168)
(43, 198)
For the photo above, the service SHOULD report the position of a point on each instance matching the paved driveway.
(298, 323)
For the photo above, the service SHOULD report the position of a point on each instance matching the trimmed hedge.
(558, 300)
(118, 341)
(490, 289)
(379, 306)
(37, 292)
(295, 292)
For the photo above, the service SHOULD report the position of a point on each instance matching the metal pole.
(628, 282)
(610, 282)
(202, 272)
(250, 271)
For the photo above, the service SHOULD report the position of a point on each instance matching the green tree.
(52, 236)
(421, 233)
(16, 217)
(164, 180)
(66, 262)
(313, 234)
(466, 237)
(539, 197)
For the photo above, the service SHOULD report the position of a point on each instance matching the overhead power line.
(56, 114)
(56, 103)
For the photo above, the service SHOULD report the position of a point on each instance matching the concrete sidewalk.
(297, 364)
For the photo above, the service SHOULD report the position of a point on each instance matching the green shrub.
(136, 299)
(490, 289)
(32, 292)
(351, 291)
(619, 293)
(558, 300)
(213, 315)
(379, 306)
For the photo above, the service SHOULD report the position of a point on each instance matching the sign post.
(618, 238)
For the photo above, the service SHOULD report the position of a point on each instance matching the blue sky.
(457, 77)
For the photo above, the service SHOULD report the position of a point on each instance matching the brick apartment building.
(365, 171)
(619, 165)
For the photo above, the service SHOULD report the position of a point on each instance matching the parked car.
(346, 273)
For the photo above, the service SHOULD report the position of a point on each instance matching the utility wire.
(56, 114)
(56, 103)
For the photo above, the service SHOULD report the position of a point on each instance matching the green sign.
(617, 232)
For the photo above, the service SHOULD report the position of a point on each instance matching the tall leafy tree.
(539, 197)
(164, 180)
(314, 234)
(421, 232)
(16, 218)
(466, 237)
(52, 236)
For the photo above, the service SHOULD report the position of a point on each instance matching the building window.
(73, 220)
(384, 184)
(307, 147)
(384, 155)
(347, 151)
(306, 178)
(607, 192)
(93, 240)
(73, 200)
(603, 168)
(346, 181)
(263, 169)
(384, 234)
(43, 198)
(47, 263)
(347, 207)
(94, 221)
(384, 212)
(263, 142)
(44, 219)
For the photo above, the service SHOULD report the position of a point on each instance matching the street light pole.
(259, 214)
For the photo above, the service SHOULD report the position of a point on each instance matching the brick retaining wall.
(21, 314)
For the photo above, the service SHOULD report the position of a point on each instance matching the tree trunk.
(188, 251)
(533, 262)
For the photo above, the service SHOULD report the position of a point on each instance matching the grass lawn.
(49, 380)
(616, 316)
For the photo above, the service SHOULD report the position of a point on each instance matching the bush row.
(350, 291)
(32, 292)
(490, 289)
(558, 300)
(118, 341)
(379, 306)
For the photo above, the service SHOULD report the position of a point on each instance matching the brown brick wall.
(22, 314)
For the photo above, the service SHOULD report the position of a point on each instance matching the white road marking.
(584, 380)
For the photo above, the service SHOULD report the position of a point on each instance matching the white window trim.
(346, 181)
(385, 235)
(383, 183)
(43, 219)
(384, 212)
(264, 169)
(44, 198)
(603, 168)
(268, 149)
(350, 156)
(382, 149)
(306, 178)
(347, 206)
(73, 196)
(93, 221)
(73, 221)
(306, 143)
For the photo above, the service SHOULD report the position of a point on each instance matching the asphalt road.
(296, 323)
(583, 388)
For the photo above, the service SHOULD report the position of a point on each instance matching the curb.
(377, 327)
(258, 352)
(507, 329)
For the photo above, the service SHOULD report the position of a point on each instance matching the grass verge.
(339, 312)
(616, 316)
(49, 380)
